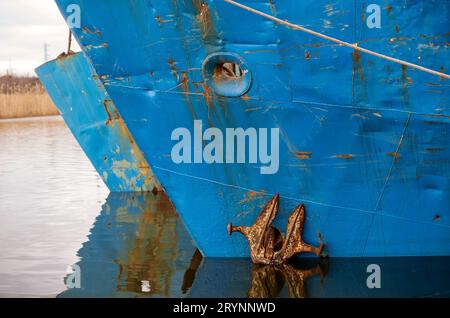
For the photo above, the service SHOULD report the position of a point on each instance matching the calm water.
(50, 196)
(56, 212)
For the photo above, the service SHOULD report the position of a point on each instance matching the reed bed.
(24, 96)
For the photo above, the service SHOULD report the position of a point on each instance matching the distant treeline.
(24, 96)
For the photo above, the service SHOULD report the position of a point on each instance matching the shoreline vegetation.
(24, 96)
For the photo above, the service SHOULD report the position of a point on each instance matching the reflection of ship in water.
(137, 247)
(334, 277)
(268, 281)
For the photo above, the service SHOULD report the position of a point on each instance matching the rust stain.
(116, 113)
(303, 155)
(108, 112)
(96, 31)
(357, 65)
(253, 195)
(141, 163)
(174, 69)
(184, 81)
(206, 93)
(406, 78)
(64, 55)
(161, 20)
(396, 155)
(267, 245)
(208, 100)
(185, 87)
(344, 156)
(86, 30)
(273, 8)
(406, 81)
(401, 39)
(315, 45)
(203, 17)
(307, 55)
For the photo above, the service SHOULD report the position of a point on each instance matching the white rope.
(340, 42)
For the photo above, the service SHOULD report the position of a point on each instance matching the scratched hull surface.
(93, 119)
(364, 142)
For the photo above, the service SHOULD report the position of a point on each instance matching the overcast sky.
(25, 25)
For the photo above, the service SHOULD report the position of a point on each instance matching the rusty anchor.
(266, 242)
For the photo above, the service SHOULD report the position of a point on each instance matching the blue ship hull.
(93, 119)
(364, 142)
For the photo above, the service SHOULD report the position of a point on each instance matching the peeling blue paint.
(93, 119)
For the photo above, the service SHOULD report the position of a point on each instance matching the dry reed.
(24, 96)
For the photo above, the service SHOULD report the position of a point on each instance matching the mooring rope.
(69, 44)
(340, 42)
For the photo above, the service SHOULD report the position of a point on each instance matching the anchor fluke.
(266, 242)
(293, 243)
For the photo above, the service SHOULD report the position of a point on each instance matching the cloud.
(25, 26)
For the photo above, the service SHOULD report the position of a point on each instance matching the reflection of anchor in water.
(267, 245)
(269, 280)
